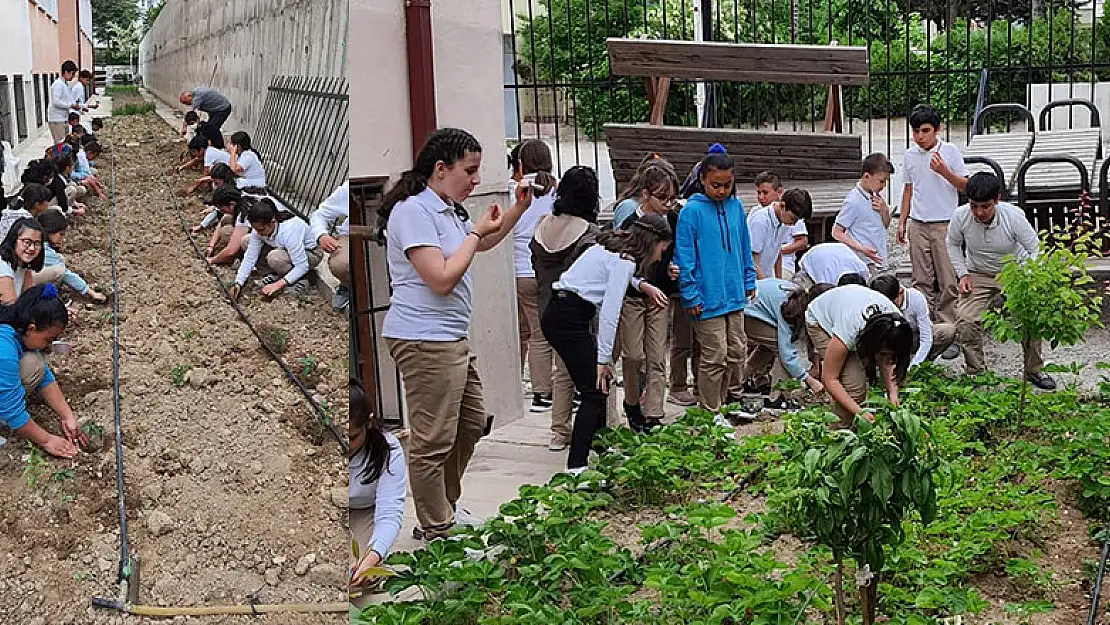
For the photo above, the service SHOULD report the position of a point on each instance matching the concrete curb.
(325, 282)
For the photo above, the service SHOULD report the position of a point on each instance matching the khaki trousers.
(339, 262)
(852, 375)
(969, 326)
(533, 345)
(932, 270)
(763, 352)
(446, 417)
(562, 400)
(723, 352)
(643, 330)
(58, 130)
(279, 262)
(32, 370)
(684, 349)
(944, 335)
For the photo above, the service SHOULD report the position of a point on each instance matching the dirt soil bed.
(232, 488)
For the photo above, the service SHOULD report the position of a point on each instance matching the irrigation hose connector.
(254, 609)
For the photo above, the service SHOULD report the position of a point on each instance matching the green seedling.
(133, 108)
(91, 428)
(188, 334)
(61, 476)
(278, 339)
(177, 374)
(33, 468)
(308, 366)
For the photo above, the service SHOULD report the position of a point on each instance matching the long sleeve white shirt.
(915, 308)
(386, 495)
(600, 277)
(61, 102)
(78, 91)
(292, 235)
(334, 210)
(980, 248)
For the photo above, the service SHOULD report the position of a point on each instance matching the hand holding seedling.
(366, 568)
(73, 432)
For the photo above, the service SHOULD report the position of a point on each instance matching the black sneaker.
(757, 389)
(1041, 381)
(341, 299)
(268, 279)
(780, 403)
(541, 402)
(636, 421)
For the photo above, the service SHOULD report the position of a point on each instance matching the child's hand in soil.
(96, 297)
(59, 447)
(234, 291)
(73, 431)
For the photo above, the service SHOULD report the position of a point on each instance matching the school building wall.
(467, 56)
(29, 60)
(75, 32)
(236, 46)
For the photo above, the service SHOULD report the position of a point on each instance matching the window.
(39, 108)
(6, 110)
(20, 108)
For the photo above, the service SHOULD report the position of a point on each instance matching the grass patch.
(133, 108)
(115, 90)
(177, 374)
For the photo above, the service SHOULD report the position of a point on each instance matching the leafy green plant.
(188, 334)
(34, 468)
(91, 428)
(1047, 298)
(308, 366)
(276, 338)
(132, 108)
(118, 90)
(177, 374)
(851, 492)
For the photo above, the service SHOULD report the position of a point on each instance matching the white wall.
(15, 37)
(467, 56)
(1077, 115)
(244, 42)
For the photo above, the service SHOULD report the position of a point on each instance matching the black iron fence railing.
(957, 55)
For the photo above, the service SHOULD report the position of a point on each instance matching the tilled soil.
(232, 487)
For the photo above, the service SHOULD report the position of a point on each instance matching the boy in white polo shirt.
(770, 226)
(768, 190)
(935, 174)
(930, 339)
(865, 216)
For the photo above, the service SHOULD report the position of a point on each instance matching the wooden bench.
(825, 163)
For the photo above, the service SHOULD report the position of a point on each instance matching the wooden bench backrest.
(791, 155)
(739, 62)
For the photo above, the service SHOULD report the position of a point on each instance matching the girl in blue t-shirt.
(36, 319)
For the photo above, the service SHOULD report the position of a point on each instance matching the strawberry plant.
(851, 491)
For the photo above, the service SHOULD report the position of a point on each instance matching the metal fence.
(956, 55)
(303, 138)
(371, 299)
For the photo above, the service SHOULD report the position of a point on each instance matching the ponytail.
(446, 145)
(794, 308)
(885, 332)
(534, 157)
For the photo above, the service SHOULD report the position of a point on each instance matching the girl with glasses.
(21, 254)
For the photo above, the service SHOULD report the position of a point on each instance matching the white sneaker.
(577, 470)
(557, 444)
(719, 419)
(465, 517)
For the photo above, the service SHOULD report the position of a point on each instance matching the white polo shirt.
(915, 308)
(61, 101)
(934, 198)
(415, 312)
(843, 311)
(767, 233)
(525, 228)
(824, 263)
(799, 229)
(215, 155)
(862, 222)
(253, 175)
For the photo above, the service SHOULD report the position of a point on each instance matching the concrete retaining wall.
(244, 42)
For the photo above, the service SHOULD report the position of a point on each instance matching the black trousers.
(567, 324)
(211, 128)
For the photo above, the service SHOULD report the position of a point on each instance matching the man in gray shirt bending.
(981, 234)
(215, 105)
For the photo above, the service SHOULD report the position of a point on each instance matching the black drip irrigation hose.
(1096, 590)
(124, 573)
(323, 418)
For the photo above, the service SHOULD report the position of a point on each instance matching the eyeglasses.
(30, 242)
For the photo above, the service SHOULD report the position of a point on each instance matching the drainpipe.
(422, 88)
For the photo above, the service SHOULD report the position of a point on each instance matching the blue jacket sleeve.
(788, 350)
(746, 251)
(13, 406)
(685, 256)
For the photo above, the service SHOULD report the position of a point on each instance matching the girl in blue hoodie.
(716, 276)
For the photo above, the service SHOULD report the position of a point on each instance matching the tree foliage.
(107, 14)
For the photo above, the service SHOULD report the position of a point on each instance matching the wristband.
(475, 234)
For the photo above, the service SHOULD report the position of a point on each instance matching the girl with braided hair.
(595, 286)
(860, 336)
(430, 243)
(28, 326)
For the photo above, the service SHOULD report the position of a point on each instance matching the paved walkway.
(34, 147)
